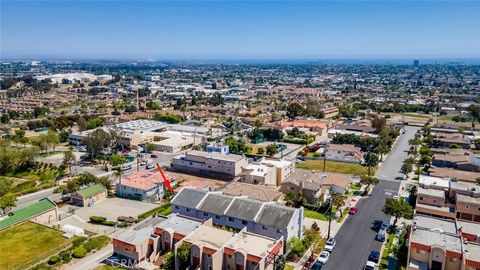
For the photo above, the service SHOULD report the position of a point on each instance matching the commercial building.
(264, 218)
(89, 196)
(211, 164)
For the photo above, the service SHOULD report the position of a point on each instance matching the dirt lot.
(195, 181)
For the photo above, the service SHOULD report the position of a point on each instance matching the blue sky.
(245, 29)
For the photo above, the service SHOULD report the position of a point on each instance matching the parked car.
(154, 156)
(143, 163)
(317, 266)
(330, 244)
(384, 225)
(323, 258)
(381, 235)
(353, 210)
(149, 166)
(374, 256)
(370, 266)
(126, 167)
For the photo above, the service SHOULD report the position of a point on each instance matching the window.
(176, 207)
(279, 231)
(244, 222)
(419, 251)
(205, 214)
(421, 198)
(264, 227)
(466, 206)
(434, 200)
(217, 216)
(209, 255)
(231, 219)
(188, 209)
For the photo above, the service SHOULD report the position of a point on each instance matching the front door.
(436, 265)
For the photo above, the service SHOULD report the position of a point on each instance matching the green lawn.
(386, 251)
(314, 215)
(28, 243)
(164, 210)
(336, 167)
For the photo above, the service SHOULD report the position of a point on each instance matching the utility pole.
(330, 213)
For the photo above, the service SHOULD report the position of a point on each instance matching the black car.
(317, 266)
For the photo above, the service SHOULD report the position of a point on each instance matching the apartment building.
(436, 243)
(264, 218)
(213, 248)
(459, 159)
(142, 186)
(448, 199)
(257, 173)
(212, 164)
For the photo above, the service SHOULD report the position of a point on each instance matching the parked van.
(381, 235)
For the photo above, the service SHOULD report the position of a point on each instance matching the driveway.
(356, 238)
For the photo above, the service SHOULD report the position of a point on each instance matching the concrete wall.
(431, 200)
(47, 217)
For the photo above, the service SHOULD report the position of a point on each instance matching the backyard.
(335, 167)
(28, 243)
(314, 215)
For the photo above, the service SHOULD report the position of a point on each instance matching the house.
(44, 211)
(283, 168)
(453, 174)
(444, 139)
(89, 196)
(456, 158)
(256, 173)
(264, 218)
(212, 164)
(344, 153)
(142, 185)
(306, 182)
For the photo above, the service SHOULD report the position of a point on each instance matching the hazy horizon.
(216, 30)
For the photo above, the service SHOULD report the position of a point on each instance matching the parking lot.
(113, 208)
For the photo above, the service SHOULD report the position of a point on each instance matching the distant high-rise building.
(416, 63)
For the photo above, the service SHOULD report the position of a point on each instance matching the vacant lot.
(28, 243)
(114, 207)
(335, 167)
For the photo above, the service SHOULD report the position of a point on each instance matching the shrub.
(54, 260)
(66, 256)
(79, 252)
(96, 243)
(109, 223)
(97, 219)
(78, 241)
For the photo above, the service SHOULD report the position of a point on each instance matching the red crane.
(166, 182)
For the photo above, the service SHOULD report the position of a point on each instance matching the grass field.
(28, 243)
(314, 215)
(335, 167)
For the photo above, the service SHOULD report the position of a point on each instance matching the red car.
(353, 211)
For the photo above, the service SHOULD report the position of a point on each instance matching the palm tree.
(368, 181)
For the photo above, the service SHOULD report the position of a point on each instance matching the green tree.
(150, 147)
(477, 144)
(370, 159)
(52, 139)
(294, 199)
(294, 110)
(397, 209)
(217, 99)
(82, 124)
(379, 124)
(271, 149)
(295, 246)
(183, 255)
(168, 262)
(7, 202)
(94, 123)
(368, 181)
(97, 141)
(260, 151)
(68, 159)
(477, 180)
(412, 197)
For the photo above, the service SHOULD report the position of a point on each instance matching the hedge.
(164, 210)
(54, 260)
(97, 219)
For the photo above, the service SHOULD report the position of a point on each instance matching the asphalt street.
(356, 238)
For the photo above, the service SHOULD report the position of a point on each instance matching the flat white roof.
(434, 181)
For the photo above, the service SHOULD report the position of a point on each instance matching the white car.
(370, 266)
(323, 258)
(330, 245)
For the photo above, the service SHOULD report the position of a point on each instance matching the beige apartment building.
(211, 164)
